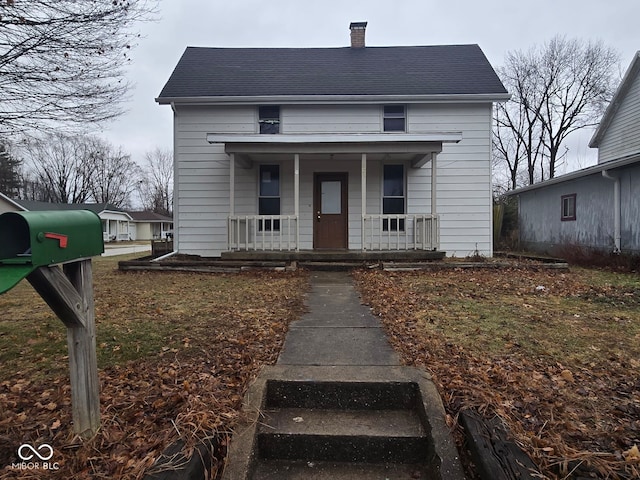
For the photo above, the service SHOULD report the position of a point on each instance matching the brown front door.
(330, 208)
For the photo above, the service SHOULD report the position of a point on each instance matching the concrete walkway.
(338, 329)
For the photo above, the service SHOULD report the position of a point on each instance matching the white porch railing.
(263, 232)
(401, 232)
(113, 237)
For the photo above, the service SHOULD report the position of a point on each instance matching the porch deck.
(335, 256)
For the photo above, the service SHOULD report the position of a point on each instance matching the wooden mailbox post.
(53, 251)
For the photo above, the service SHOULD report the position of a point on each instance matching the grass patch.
(138, 314)
(561, 316)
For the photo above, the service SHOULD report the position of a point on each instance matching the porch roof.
(419, 147)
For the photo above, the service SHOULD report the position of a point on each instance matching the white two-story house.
(353, 149)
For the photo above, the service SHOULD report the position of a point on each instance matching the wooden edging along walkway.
(208, 265)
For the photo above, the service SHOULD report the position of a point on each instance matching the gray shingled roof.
(36, 206)
(419, 70)
(148, 216)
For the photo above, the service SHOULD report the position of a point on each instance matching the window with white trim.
(269, 119)
(568, 212)
(393, 197)
(269, 196)
(394, 118)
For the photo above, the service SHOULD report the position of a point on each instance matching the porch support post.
(232, 183)
(296, 196)
(435, 240)
(434, 197)
(232, 199)
(363, 188)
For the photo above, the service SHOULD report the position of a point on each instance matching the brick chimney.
(357, 34)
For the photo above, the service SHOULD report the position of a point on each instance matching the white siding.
(463, 175)
(331, 119)
(202, 203)
(622, 137)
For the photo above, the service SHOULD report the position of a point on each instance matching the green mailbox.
(29, 240)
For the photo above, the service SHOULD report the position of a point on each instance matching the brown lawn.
(176, 352)
(556, 355)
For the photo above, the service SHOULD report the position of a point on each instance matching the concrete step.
(343, 436)
(302, 470)
(342, 395)
(342, 422)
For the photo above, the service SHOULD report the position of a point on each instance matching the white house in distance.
(149, 225)
(115, 222)
(597, 207)
(357, 148)
(9, 205)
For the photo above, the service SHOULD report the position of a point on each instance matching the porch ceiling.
(243, 158)
(415, 147)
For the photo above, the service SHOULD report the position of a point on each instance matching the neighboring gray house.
(596, 207)
(115, 221)
(357, 148)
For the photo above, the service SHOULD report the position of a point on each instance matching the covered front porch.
(296, 194)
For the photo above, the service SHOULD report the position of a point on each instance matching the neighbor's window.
(568, 207)
(269, 196)
(269, 119)
(393, 118)
(393, 199)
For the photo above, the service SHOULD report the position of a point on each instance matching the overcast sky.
(497, 26)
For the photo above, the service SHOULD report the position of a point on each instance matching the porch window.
(269, 119)
(393, 199)
(269, 196)
(568, 207)
(394, 118)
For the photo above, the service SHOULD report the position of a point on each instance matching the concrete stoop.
(342, 422)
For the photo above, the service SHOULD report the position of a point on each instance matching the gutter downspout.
(616, 208)
(166, 255)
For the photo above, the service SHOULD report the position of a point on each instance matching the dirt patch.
(555, 355)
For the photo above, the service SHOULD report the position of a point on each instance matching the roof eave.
(334, 99)
(12, 202)
(611, 110)
(594, 169)
(116, 212)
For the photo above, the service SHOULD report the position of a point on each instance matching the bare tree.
(518, 136)
(580, 82)
(10, 171)
(58, 168)
(61, 61)
(557, 89)
(79, 169)
(113, 176)
(156, 190)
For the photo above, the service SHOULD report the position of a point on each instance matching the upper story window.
(269, 119)
(394, 118)
(568, 207)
